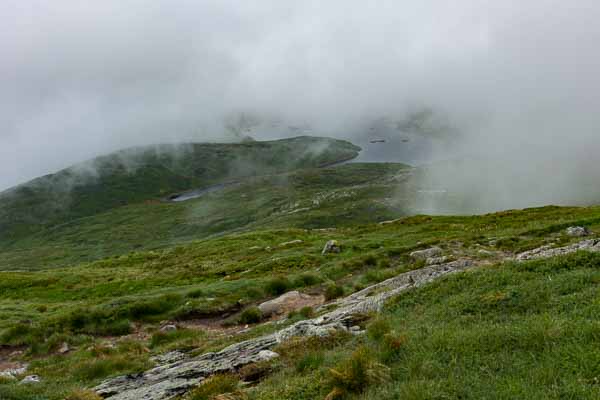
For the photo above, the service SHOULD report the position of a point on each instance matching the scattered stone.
(578, 231)
(331, 246)
(266, 355)
(436, 260)
(485, 253)
(168, 328)
(64, 348)
(290, 243)
(30, 379)
(12, 373)
(391, 221)
(255, 248)
(355, 328)
(427, 253)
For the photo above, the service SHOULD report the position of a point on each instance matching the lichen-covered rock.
(548, 251)
(427, 253)
(436, 260)
(331, 246)
(282, 303)
(168, 328)
(64, 348)
(30, 379)
(577, 231)
(14, 371)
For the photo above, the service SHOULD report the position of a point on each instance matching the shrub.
(250, 315)
(377, 329)
(110, 365)
(17, 335)
(215, 385)
(355, 374)
(42, 308)
(194, 294)
(307, 279)
(304, 313)
(277, 286)
(311, 361)
(391, 346)
(370, 260)
(255, 371)
(333, 291)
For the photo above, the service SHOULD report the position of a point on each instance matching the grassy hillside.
(448, 340)
(310, 198)
(151, 173)
(509, 331)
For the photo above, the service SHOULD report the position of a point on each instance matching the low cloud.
(516, 81)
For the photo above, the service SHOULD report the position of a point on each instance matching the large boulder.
(427, 253)
(284, 303)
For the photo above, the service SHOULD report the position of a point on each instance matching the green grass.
(82, 304)
(526, 331)
(103, 280)
(144, 174)
(320, 198)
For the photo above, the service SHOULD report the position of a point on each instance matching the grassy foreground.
(508, 331)
(504, 331)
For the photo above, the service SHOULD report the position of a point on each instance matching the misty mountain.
(153, 173)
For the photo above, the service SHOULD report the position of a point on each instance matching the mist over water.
(512, 86)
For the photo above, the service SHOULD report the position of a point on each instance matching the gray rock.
(168, 328)
(30, 379)
(169, 357)
(331, 246)
(266, 355)
(436, 260)
(64, 348)
(485, 253)
(281, 303)
(14, 372)
(427, 253)
(592, 245)
(577, 231)
(179, 375)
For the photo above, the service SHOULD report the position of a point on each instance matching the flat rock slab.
(548, 251)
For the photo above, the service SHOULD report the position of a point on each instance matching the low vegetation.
(92, 295)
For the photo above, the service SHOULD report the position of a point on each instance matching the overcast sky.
(82, 78)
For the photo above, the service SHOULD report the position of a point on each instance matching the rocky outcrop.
(577, 231)
(177, 374)
(14, 371)
(427, 253)
(549, 251)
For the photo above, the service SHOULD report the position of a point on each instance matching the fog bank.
(515, 84)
